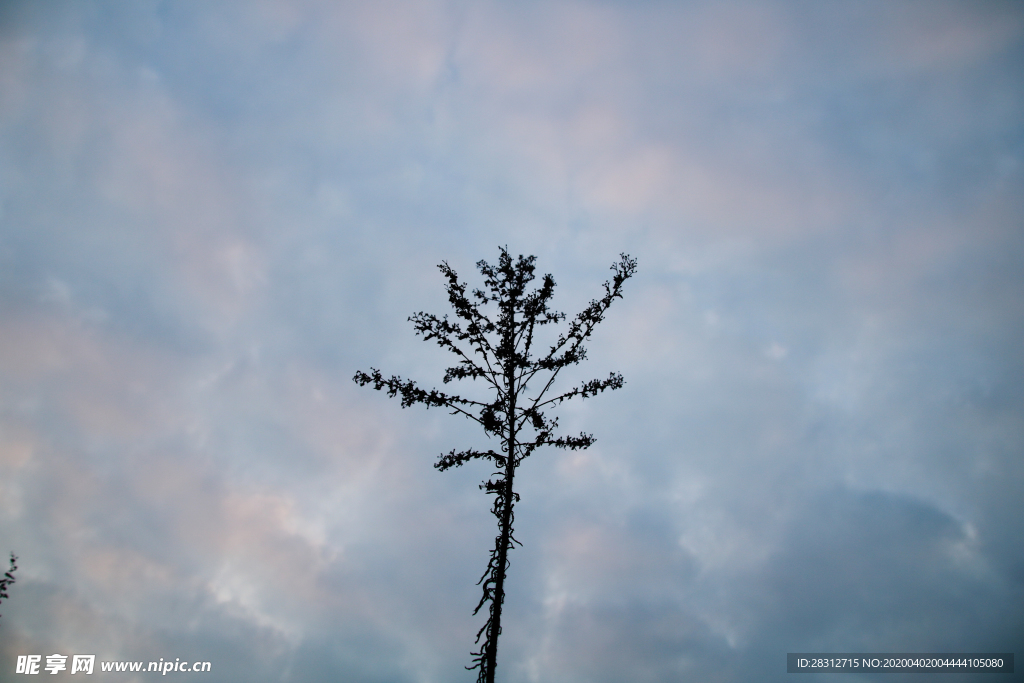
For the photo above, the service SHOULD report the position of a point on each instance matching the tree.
(498, 349)
(8, 579)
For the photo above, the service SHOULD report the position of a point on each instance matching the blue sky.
(213, 214)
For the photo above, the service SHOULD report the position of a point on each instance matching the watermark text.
(86, 664)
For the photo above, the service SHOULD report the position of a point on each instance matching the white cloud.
(213, 217)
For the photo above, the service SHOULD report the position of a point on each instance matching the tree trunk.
(506, 516)
(499, 584)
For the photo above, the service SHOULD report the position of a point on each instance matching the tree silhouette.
(498, 349)
(8, 579)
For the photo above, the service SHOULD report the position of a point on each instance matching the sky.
(213, 214)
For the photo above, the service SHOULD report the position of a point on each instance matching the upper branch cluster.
(497, 347)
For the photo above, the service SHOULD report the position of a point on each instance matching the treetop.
(497, 346)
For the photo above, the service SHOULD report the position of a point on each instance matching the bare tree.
(8, 579)
(499, 350)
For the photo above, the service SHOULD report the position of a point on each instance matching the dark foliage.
(499, 349)
(8, 579)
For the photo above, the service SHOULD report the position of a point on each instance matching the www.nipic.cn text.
(85, 664)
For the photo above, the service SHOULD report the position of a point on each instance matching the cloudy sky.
(213, 214)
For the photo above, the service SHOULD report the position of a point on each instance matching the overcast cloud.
(213, 214)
